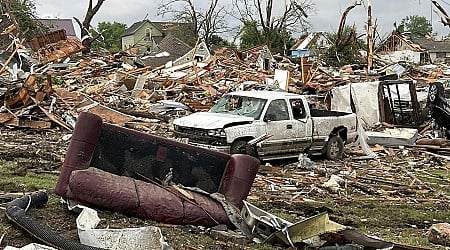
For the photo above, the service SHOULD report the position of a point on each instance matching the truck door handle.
(289, 126)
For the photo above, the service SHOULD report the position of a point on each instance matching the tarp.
(365, 100)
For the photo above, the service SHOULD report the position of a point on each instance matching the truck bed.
(325, 113)
(325, 121)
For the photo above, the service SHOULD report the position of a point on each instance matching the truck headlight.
(217, 132)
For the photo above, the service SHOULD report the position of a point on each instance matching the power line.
(445, 2)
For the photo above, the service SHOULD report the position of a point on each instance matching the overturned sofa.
(134, 172)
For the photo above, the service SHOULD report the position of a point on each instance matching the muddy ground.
(397, 197)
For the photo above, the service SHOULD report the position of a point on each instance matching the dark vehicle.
(439, 103)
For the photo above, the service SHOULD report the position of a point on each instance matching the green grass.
(18, 179)
(403, 223)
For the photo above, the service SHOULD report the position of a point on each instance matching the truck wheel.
(242, 147)
(435, 90)
(334, 148)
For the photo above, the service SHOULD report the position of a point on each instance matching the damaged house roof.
(414, 48)
(415, 42)
(429, 44)
(169, 49)
(398, 41)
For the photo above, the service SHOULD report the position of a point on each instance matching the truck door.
(279, 124)
(302, 123)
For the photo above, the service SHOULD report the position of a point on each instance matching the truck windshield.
(240, 105)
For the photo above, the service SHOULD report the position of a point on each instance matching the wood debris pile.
(407, 175)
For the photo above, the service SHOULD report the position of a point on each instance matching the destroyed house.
(260, 57)
(144, 36)
(169, 49)
(309, 45)
(200, 53)
(414, 48)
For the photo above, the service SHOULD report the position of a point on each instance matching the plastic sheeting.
(365, 99)
(362, 142)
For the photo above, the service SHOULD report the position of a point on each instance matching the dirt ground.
(397, 197)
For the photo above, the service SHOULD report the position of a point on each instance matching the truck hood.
(207, 120)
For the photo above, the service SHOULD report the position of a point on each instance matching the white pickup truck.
(268, 125)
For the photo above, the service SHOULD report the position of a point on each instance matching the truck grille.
(199, 136)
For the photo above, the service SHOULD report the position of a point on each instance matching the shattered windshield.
(240, 105)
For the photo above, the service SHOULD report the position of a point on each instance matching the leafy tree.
(344, 48)
(250, 35)
(279, 40)
(24, 14)
(415, 24)
(110, 38)
(219, 41)
(273, 22)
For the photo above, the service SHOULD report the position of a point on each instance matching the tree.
(250, 35)
(344, 48)
(219, 41)
(85, 26)
(110, 38)
(415, 24)
(198, 22)
(273, 25)
(280, 42)
(24, 14)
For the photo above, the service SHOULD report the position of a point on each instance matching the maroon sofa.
(121, 169)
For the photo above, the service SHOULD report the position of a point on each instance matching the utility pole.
(369, 37)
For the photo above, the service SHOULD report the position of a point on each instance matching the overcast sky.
(325, 18)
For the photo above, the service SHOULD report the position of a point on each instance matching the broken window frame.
(391, 113)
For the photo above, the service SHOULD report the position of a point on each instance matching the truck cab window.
(277, 111)
(297, 109)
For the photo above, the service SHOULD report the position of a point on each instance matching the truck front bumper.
(223, 149)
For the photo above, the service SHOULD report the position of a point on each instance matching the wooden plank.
(4, 117)
(25, 123)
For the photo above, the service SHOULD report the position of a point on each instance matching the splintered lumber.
(430, 147)
(23, 122)
(11, 57)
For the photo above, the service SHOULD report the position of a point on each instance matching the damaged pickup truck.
(268, 125)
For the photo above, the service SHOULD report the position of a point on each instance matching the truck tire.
(434, 92)
(242, 147)
(334, 148)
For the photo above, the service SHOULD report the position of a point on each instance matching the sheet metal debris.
(123, 238)
(269, 228)
(32, 246)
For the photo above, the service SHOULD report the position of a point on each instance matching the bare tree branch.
(86, 24)
(342, 23)
(206, 23)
